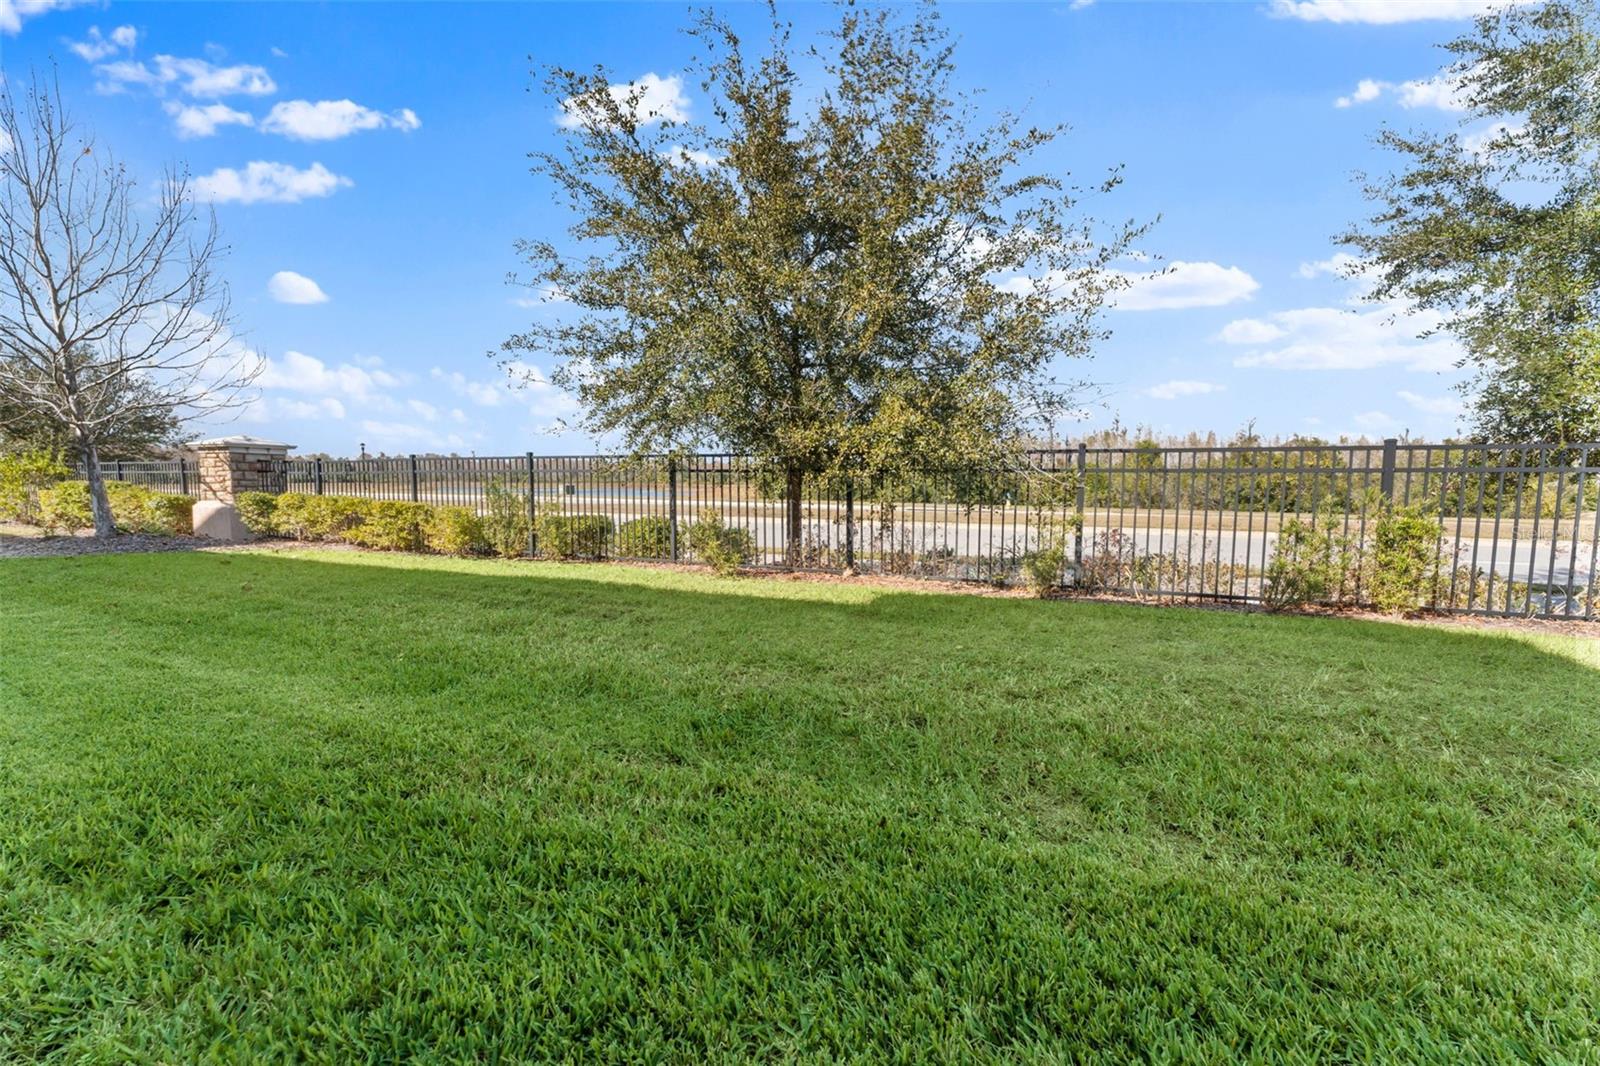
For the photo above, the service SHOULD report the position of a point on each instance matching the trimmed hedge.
(64, 508)
(392, 526)
(649, 537)
(572, 536)
(455, 531)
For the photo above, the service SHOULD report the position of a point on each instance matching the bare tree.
(108, 313)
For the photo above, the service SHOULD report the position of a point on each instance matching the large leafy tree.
(850, 281)
(1497, 228)
(147, 427)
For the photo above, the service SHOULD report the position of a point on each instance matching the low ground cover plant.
(558, 535)
(649, 537)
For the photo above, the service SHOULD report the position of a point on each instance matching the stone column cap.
(240, 442)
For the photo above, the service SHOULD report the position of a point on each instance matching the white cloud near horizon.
(299, 372)
(655, 99)
(287, 287)
(1385, 12)
(1341, 338)
(328, 120)
(191, 121)
(1446, 406)
(1172, 390)
(264, 182)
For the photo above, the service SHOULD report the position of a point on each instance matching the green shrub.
(22, 476)
(1041, 569)
(722, 547)
(306, 517)
(572, 536)
(1406, 561)
(259, 512)
(455, 531)
(1315, 561)
(505, 522)
(136, 509)
(649, 537)
(64, 507)
(390, 525)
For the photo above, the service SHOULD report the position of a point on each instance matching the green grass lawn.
(358, 807)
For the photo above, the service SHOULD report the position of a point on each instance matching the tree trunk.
(795, 482)
(99, 504)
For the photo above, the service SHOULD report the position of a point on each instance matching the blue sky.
(368, 167)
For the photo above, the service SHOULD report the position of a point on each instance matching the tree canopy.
(849, 276)
(1498, 231)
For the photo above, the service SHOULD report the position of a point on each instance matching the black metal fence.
(1516, 526)
(164, 475)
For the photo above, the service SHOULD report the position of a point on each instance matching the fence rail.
(1517, 526)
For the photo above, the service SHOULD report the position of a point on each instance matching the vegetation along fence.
(1508, 529)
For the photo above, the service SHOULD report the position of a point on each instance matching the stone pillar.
(227, 467)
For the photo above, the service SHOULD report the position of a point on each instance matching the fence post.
(533, 542)
(672, 506)
(1082, 498)
(849, 523)
(414, 496)
(317, 476)
(1386, 477)
(119, 470)
(183, 477)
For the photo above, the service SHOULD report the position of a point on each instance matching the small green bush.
(136, 509)
(505, 523)
(455, 531)
(1315, 561)
(649, 537)
(259, 512)
(1042, 569)
(722, 547)
(390, 525)
(572, 536)
(64, 507)
(1406, 561)
(306, 517)
(22, 476)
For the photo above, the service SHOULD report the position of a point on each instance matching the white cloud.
(482, 393)
(298, 372)
(308, 410)
(1338, 338)
(383, 435)
(1385, 11)
(1180, 285)
(196, 77)
(260, 182)
(99, 46)
(1186, 285)
(14, 12)
(1339, 265)
(1172, 390)
(1441, 91)
(194, 121)
(1249, 331)
(1444, 406)
(426, 410)
(1480, 142)
(328, 120)
(654, 99)
(287, 287)
(679, 156)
